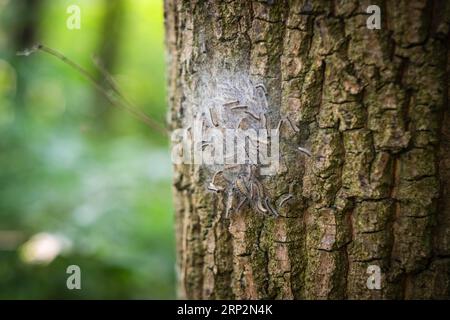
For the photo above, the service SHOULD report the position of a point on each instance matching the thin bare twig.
(114, 95)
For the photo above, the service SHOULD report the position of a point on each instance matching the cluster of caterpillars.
(247, 189)
(240, 185)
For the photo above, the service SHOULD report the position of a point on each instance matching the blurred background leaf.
(83, 182)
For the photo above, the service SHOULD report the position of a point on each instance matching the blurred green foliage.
(73, 166)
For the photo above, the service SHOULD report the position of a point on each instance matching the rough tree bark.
(372, 105)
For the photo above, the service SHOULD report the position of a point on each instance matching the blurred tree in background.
(81, 181)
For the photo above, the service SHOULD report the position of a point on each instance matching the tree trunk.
(108, 50)
(372, 107)
(23, 34)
